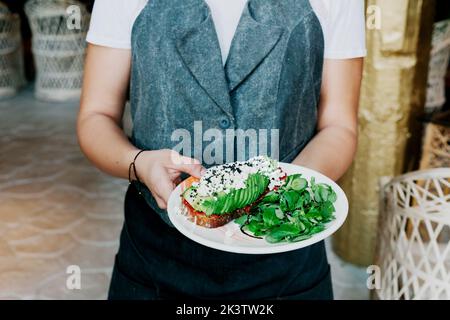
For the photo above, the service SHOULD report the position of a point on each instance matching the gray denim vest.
(271, 79)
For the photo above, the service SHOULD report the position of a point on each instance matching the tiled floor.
(56, 210)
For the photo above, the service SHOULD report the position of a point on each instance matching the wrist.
(137, 165)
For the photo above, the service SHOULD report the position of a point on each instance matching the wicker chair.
(413, 249)
(12, 75)
(59, 51)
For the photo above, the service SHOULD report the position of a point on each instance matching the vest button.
(224, 123)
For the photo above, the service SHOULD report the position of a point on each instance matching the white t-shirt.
(342, 21)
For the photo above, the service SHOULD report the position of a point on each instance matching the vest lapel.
(200, 50)
(252, 42)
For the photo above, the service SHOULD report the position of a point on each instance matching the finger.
(159, 201)
(187, 165)
(193, 170)
(165, 188)
(177, 159)
(190, 166)
(161, 204)
(173, 174)
(177, 180)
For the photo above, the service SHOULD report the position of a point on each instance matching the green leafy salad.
(293, 212)
(267, 203)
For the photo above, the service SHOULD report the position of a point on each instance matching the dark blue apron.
(271, 80)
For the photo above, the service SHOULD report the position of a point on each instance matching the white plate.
(230, 238)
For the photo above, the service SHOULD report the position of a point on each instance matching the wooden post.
(393, 94)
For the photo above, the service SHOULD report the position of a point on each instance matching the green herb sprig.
(294, 212)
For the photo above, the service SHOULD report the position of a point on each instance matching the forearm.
(105, 144)
(105, 84)
(331, 152)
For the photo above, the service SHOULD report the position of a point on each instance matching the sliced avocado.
(224, 203)
(239, 196)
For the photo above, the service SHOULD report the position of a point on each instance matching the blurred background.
(56, 210)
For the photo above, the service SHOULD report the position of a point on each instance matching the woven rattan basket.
(11, 56)
(59, 51)
(436, 147)
(436, 142)
(413, 250)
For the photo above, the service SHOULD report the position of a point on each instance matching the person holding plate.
(293, 66)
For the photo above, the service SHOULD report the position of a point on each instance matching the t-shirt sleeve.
(345, 36)
(112, 22)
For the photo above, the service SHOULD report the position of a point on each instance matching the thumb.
(187, 165)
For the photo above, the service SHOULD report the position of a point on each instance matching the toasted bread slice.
(211, 221)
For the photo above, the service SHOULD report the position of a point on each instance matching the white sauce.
(227, 177)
